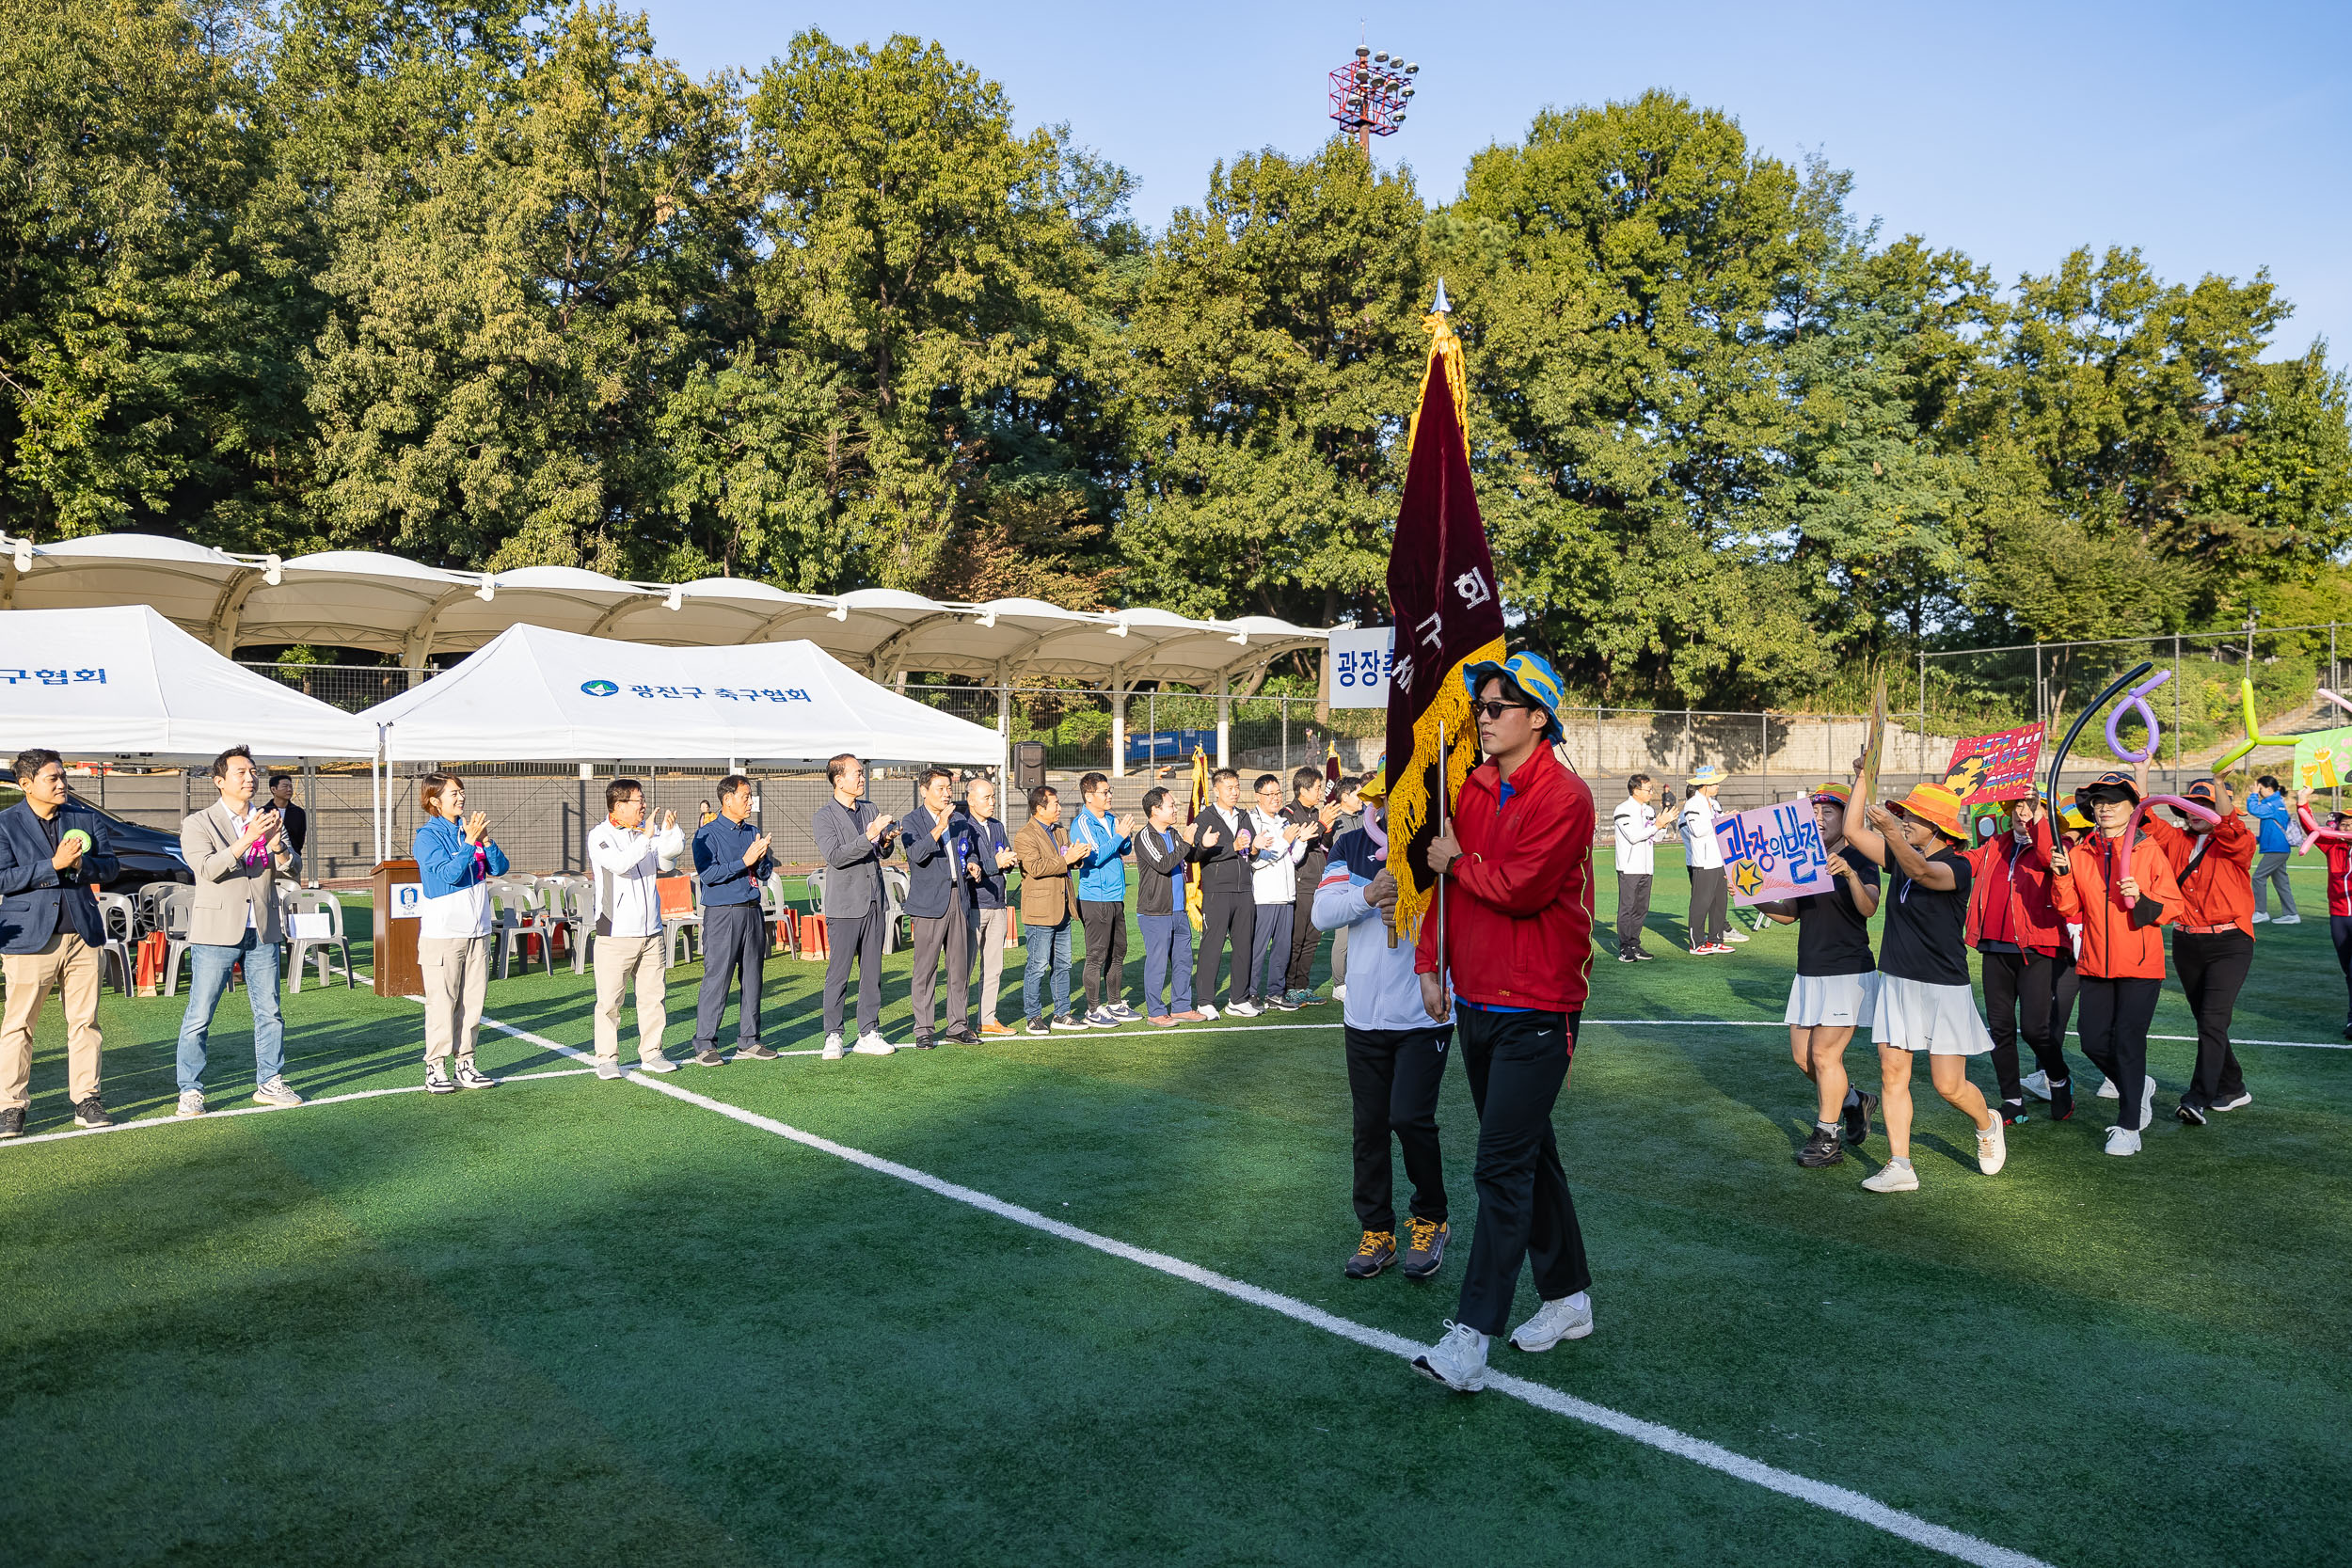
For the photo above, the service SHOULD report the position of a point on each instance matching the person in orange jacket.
(2123, 894)
(2213, 946)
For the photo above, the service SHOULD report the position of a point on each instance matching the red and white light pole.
(1369, 94)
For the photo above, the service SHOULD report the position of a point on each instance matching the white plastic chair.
(299, 949)
(118, 924)
(513, 918)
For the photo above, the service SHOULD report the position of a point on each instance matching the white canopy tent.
(124, 682)
(535, 694)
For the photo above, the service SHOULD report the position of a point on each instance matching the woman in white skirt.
(1836, 985)
(1925, 1002)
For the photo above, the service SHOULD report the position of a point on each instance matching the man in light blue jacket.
(1102, 902)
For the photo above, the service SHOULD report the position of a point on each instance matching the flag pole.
(1445, 827)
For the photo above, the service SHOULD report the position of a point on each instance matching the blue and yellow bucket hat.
(1532, 673)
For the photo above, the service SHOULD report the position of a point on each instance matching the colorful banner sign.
(1773, 852)
(1994, 767)
(2324, 760)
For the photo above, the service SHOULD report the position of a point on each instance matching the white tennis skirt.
(1942, 1020)
(1832, 1000)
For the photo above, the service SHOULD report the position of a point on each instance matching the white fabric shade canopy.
(388, 604)
(124, 682)
(537, 694)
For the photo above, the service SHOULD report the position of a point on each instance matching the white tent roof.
(537, 694)
(385, 604)
(123, 681)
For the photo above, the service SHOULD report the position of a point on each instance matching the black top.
(1924, 927)
(1833, 935)
(1221, 869)
(297, 826)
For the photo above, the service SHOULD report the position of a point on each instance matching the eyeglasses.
(1495, 710)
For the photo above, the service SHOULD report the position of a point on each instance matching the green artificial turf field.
(568, 1321)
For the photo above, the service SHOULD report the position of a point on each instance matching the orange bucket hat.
(1938, 807)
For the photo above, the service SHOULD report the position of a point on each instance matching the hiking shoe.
(2231, 1102)
(1039, 1027)
(756, 1050)
(1424, 1249)
(1458, 1360)
(89, 1113)
(1312, 998)
(1376, 1252)
(2190, 1111)
(12, 1123)
(1101, 1017)
(191, 1103)
(2062, 1101)
(1993, 1147)
(1825, 1147)
(832, 1052)
(2036, 1085)
(2123, 1141)
(1554, 1322)
(1244, 1009)
(437, 1079)
(925, 1042)
(1896, 1176)
(2012, 1111)
(1208, 1014)
(656, 1063)
(991, 1027)
(608, 1068)
(871, 1044)
(275, 1092)
(1066, 1021)
(1856, 1115)
(709, 1055)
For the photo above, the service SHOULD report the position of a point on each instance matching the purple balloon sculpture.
(2137, 698)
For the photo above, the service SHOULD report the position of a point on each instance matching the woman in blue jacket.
(455, 860)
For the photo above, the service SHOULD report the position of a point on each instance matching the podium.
(399, 915)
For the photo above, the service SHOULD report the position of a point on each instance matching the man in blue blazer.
(51, 850)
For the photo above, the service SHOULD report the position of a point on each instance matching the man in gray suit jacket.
(852, 839)
(238, 852)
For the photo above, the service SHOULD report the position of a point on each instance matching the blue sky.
(2216, 138)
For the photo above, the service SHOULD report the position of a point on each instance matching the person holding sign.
(1925, 1002)
(2124, 893)
(1836, 989)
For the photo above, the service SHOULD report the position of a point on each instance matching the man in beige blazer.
(238, 850)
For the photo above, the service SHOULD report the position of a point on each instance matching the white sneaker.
(1896, 1176)
(656, 1063)
(1458, 1360)
(2123, 1140)
(1735, 936)
(2148, 1105)
(275, 1092)
(472, 1077)
(1554, 1322)
(2107, 1089)
(833, 1048)
(1339, 991)
(191, 1103)
(2036, 1085)
(1206, 1011)
(1244, 1009)
(1992, 1147)
(2262, 919)
(607, 1067)
(872, 1044)
(2288, 920)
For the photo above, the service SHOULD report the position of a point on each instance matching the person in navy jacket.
(733, 863)
(52, 850)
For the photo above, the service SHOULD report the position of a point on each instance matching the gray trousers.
(2271, 867)
(735, 947)
(853, 939)
(950, 933)
(987, 929)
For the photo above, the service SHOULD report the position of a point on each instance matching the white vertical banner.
(1360, 658)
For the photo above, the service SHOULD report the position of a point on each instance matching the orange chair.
(812, 937)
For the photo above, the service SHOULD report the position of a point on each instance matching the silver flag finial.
(1440, 307)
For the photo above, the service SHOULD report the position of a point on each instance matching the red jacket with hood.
(1518, 917)
(2009, 895)
(2118, 943)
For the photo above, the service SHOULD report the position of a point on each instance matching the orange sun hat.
(1938, 807)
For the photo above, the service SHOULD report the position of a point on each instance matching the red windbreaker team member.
(1518, 941)
(2335, 843)
(2123, 894)
(2212, 946)
(2025, 951)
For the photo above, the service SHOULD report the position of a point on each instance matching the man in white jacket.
(1395, 1055)
(1638, 829)
(625, 861)
(1703, 858)
(1277, 846)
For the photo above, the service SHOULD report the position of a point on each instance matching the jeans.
(209, 977)
(1518, 1064)
(1270, 949)
(1049, 948)
(2271, 866)
(1166, 963)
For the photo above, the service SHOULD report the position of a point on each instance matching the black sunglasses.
(1495, 710)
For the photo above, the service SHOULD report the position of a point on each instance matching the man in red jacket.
(2213, 944)
(1517, 949)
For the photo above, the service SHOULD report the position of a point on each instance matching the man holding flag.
(1511, 940)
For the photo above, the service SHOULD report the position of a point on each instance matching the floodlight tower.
(1369, 94)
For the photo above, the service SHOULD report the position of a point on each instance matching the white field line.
(268, 1110)
(1836, 1499)
(1735, 1024)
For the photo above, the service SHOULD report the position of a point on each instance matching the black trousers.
(2116, 1015)
(1306, 938)
(735, 947)
(1632, 909)
(2212, 968)
(1106, 926)
(2019, 986)
(1392, 1078)
(2340, 928)
(853, 939)
(1517, 1063)
(1711, 905)
(1224, 916)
